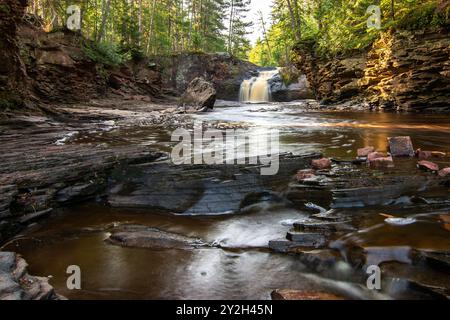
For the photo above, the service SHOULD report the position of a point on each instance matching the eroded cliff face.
(12, 69)
(225, 72)
(38, 67)
(405, 71)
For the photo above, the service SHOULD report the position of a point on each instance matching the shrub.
(103, 52)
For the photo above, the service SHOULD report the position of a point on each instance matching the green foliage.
(154, 27)
(104, 53)
(336, 26)
(4, 8)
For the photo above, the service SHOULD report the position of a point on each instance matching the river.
(248, 270)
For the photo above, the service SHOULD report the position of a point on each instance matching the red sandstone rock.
(375, 155)
(305, 174)
(364, 152)
(401, 147)
(296, 295)
(321, 164)
(381, 162)
(444, 172)
(423, 155)
(428, 166)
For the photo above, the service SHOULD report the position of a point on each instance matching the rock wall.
(39, 67)
(17, 284)
(59, 70)
(404, 71)
(223, 70)
(12, 70)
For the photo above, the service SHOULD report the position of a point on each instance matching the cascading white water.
(257, 89)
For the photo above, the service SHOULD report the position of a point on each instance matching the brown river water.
(75, 236)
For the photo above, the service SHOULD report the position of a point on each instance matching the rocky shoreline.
(17, 284)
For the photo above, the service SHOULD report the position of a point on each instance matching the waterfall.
(257, 89)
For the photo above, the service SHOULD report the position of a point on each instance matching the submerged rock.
(138, 236)
(200, 94)
(401, 147)
(17, 284)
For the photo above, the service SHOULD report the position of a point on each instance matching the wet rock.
(314, 208)
(439, 261)
(296, 295)
(380, 161)
(137, 236)
(305, 175)
(319, 260)
(364, 152)
(321, 164)
(323, 226)
(17, 284)
(444, 172)
(199, 94)
(401, 147)
(198, 189)
(424, 155)
(282, 245)
(428, 166)
(307, 240)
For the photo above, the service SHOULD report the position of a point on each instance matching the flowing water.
(75, 236)
(257, 89)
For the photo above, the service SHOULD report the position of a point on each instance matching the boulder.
(401, 147)
(200, 94)
(321, 164)
(428, 166)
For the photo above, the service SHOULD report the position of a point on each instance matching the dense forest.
(337, 26)
(158, 27)
(155, 27)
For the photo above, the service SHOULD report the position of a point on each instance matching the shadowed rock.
(200, 94)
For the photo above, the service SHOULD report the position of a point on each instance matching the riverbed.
(242, 267)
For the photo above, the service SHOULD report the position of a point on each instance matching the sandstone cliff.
(403, 70)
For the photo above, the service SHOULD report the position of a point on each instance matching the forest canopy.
(155, 27)
(124, 28)
(338, 26)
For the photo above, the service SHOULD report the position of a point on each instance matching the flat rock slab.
(303, 239)
(137, 236)
(323, 226)
(198, 189)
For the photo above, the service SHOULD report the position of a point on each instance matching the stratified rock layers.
(406, 71)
